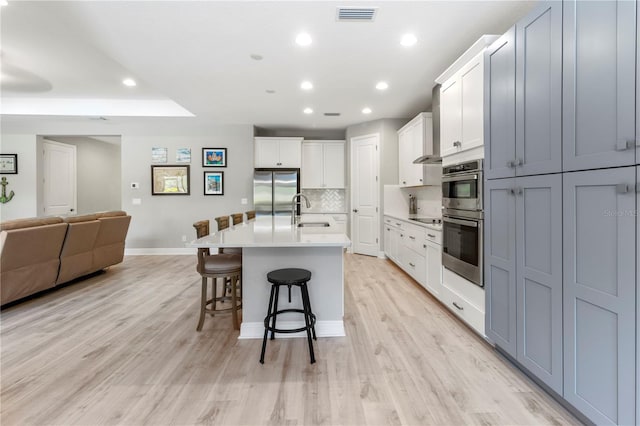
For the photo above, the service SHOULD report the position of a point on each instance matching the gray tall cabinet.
(561, 200)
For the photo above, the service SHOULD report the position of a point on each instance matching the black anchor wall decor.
(3, 198)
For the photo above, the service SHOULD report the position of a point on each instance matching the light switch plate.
(243, 201)
(135, 185)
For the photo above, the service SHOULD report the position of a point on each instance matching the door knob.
(355, 210)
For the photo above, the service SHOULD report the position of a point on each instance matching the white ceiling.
(197, 55)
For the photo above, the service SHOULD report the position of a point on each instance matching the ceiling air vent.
(332, 114)
(356, 14)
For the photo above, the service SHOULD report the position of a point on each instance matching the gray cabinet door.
(539, 276)
(500, 264)
(539, 91)
(599, 47)
(599, 293)
(499, 107)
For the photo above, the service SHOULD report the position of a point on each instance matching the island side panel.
(326, 288)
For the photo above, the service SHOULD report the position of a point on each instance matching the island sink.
(313, 224)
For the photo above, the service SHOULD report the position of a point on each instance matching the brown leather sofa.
(40, 253)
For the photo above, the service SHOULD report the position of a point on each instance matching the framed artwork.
(159, 155)
(170, 180)
(183, 155)
(213, 183)
(9, 164)
(214, 157)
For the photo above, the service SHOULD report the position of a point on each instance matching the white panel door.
(290, 153)
(333, 164)
(59, 169)
(312, 165)
(472, 89)
(364, 197)
(450, 117)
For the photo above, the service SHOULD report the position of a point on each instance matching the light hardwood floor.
(121, 348)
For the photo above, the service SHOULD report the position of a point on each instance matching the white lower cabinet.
(464, 299)
(417, 250)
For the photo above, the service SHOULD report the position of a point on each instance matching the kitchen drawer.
(414, 264)
(433, 236)
(415, 236)
(467, 296)
(463, 309)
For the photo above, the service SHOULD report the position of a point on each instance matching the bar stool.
(225, 266)
(237, 218)
(251, 214)
(223, 223)
(289, 277)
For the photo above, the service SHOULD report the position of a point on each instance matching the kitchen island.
(272, 242)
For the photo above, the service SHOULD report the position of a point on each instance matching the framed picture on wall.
(9, 164)
(213, 183)
(170, 180)
(214, 157)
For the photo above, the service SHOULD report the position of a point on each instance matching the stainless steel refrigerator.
(273, 190)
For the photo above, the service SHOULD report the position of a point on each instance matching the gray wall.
(162, 220)
(387, 129)
(24, 202)
(98, 174)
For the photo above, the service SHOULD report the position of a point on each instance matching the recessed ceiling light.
(270, 91)
(4, 3)
(308, 111)
(382, 85)
(366, 110)
(408, 40)
(306, 85)
(129, 82)
(303, 39)
(255, 57)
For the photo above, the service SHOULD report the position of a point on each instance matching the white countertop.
(274, 231)
(435, 227)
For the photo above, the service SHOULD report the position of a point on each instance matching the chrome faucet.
(293, 205)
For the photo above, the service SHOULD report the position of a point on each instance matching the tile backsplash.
(325, 201)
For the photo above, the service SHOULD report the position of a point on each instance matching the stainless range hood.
(435, 115)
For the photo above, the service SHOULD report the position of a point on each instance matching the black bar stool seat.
(289, 277)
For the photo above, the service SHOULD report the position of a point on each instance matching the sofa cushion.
(76, 258)
(29, 223)
(114, 213)
(109, 247)
(29, 259)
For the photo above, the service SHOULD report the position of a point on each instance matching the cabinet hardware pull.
(457, 143)
(519, 191)
(458, 306)
(424, 246)
(402, 235)
(412, 237)
(519, 162)
(511, 164)
(623, 145)
(622, 188)
(431, 235)
(397, 224)
(355, 210)
(420, 180)
(412, 265)
(512, 191)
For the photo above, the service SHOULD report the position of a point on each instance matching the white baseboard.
(255, 330)
(160, 251)
(381, 255)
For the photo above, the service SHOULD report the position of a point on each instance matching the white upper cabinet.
(323, 164)
(415, 139)
(462, 101)
(278, 152)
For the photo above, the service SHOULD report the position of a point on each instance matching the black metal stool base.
(289, 277)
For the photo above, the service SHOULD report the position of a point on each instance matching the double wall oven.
(462, 220)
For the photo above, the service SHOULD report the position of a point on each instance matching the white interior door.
(364, 194)
(59, 170)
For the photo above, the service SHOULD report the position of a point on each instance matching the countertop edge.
(413, 222)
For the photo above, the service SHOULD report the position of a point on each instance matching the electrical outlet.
(184, 238)
(244, 201)
(136, 201)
